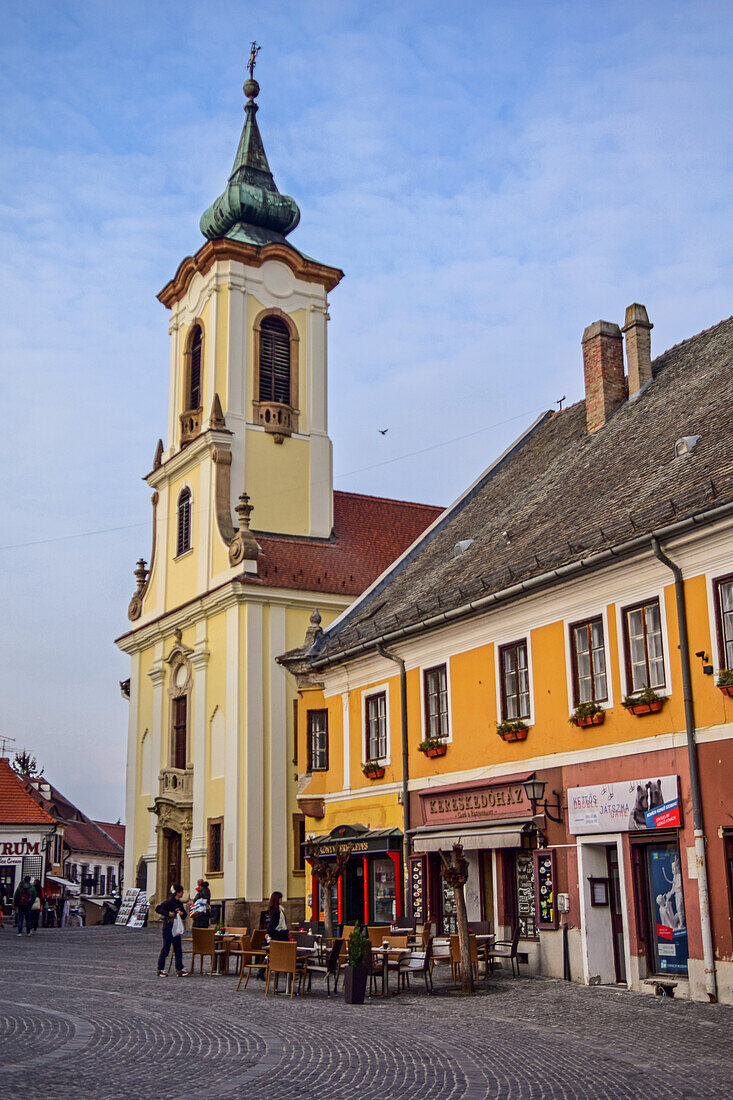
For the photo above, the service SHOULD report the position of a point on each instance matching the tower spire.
(251, 208)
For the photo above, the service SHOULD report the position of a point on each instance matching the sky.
(492, 178)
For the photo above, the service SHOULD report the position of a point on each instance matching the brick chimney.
(603, 362)
(637, 330)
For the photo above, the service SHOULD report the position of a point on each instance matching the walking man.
(23, 900)
(173, 913)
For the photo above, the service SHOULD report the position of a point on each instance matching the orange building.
(545, 677)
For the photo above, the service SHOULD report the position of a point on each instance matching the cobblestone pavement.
(84, 1013)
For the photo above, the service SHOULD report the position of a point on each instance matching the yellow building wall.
(182, 572)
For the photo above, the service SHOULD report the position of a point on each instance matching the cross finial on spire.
(253, 51)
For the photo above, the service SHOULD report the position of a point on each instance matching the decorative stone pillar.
(196, 846)
(153, 856)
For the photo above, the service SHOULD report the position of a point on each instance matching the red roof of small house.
(369, 533)
(81, 834)
(113, 829)
(17, 807)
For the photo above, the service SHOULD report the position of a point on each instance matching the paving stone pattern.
(84, 1012)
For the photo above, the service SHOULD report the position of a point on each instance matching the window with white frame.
(317, 740)
(644, 650)
(514, 673)
(590, 682)
(435, 684)
(375, 726)
(724, 616)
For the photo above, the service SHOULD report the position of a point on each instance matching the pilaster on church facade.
(248, 540)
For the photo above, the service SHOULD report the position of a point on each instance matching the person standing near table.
(277, 925)
(169, 911)
(201, 906)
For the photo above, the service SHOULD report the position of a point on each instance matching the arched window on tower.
(274, 361)
(184, 522)
(194, 368)
(192, 385)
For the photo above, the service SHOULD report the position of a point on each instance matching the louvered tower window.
(194, 374)
(274, 361)
(184, 522)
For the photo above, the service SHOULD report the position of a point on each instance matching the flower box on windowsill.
(644, 702)
(373, 770)
(433, 747)
(587, 714)
(725, 681)
(512, 731)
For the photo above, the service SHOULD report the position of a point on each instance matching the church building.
(251, 548)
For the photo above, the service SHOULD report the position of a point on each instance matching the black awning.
(362, 839)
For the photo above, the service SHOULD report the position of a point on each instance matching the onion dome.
(251, 208)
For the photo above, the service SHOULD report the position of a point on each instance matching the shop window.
(298, 842)
(384, 891)
(179, 729)
(514, 673)
(590, 683)
(375, 725)
(643, 642)
(213, 862)
(661, 906)
(724, 616)
(436, 702)
(317, 740)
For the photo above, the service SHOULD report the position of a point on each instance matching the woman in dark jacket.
(169, 910)
(203, 896)
(277, 925)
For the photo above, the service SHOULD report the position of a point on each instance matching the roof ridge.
(387, 500)
(703, 332)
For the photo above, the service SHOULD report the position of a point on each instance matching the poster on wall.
(669, 926)
(624, 806)
(128, 904)
(526, 911)
(417, 887)
(544, 877)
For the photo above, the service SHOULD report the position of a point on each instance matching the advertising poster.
(668, 909)
(140, 911)
(625, 806)
(128, 904)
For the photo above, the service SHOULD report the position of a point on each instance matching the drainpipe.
(405, 770)
(700, 854)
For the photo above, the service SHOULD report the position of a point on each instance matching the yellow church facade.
(249, 539)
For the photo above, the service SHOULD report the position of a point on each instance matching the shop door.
(663, 925)
(354, 892)
(7, 877)
(617, 919)
(174, 859)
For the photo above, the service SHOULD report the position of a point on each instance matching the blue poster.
(668, 910)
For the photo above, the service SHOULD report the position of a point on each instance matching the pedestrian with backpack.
(23, 900)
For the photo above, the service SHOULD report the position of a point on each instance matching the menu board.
(140, 911)
(544, 871)
(128, 904)
(417, 888)
(526, 910)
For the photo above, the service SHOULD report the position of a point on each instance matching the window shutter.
(274, 361)
(194, 389)
(184, 522)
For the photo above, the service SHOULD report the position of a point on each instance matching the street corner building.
(26, 833)
(546, 678)
(251, 547)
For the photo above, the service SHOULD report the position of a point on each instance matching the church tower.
(249, 539)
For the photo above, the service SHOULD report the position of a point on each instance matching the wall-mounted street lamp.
(534, 790)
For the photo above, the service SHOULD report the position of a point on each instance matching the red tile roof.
(81, 834)
(16, 805)
(368, 534)
(113, 829)
(85, 836)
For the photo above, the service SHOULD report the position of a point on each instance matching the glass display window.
(384, 891)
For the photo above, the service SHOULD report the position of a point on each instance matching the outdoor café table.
(386, 954)
(224, 943)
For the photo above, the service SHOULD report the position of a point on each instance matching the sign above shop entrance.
(474, 802)
(626, 806)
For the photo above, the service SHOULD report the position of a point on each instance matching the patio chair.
(426, 933)
(455, 957)
(378, 933)
(330, 969)
(374, 970)
(421, 962)
(202, 943)
(398, 940)
(283, 959)
(253, 957)
(505, 949)
(399, 965)
(303, 939)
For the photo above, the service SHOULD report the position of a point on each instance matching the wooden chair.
(378, 933)
(232, 931)
(330, 969)
(252, 955)
(455, 957)
(398, 941)
(421, 962)
(426, 933)
(399, 965)
(283, 959)
(505, 949)
(203, 944)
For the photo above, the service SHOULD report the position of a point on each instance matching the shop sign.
(544, 877)
(481, 802)
(622, 807)
(10, 861)
(417, 887)
(20, 847)
(355, 845)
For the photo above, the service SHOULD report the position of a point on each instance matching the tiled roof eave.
(595, 560)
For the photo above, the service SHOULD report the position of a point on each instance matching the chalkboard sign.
(526, 910)
(545, 883)
(417, 888)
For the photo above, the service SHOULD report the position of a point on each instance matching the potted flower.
(356, 972)
(725, 681)
(587, 714)
(372, 769)
(512, 731)
(433, 746)
(643, 702)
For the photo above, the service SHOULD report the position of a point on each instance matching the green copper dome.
(251, 208)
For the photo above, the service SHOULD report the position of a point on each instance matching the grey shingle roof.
(564, 495)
